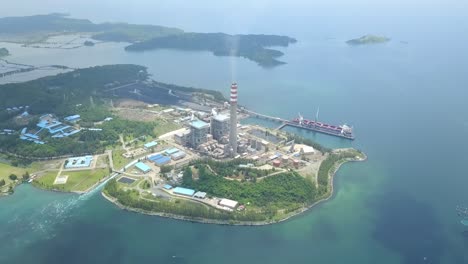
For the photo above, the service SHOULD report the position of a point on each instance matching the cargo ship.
(343, 131)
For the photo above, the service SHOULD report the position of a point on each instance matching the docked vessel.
(343, 131)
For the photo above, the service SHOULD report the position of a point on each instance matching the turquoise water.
(407, 103)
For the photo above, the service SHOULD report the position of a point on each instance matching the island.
(4, 52)
(88, 43)
(368, 39)
(33, 30)
(158, 149)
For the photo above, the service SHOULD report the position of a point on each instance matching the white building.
(228, 203)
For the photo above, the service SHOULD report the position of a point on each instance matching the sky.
(236, 15)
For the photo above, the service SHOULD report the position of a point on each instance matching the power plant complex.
(216, 134)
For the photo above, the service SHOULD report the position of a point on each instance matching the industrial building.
(183, 191)
(78, 162)
(182, 138)
(179, 155)
(171, 151)
(198, 133)
(162, 161)
(56, 128)
(228, 203)
(143, 167)
(220, 126)
(159, 159)
(150, 145)
(72, 118)
(200, 195)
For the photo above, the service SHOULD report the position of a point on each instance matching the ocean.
(406, 100)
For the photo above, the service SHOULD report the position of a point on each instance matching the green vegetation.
(281, 190)
(252, 47)
(368, 39)
(61, 93)
(4, 52)
(144, 37)
(270, 199)
(145, 185)
(6, 170)
(85, 142)
(329, 164)
(77, 180)
(119, 160)
(216, 95)
(231, 168)
(132, 199)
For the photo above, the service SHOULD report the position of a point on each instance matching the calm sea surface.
(406, 99)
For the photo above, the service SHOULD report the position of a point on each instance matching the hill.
(146, 37)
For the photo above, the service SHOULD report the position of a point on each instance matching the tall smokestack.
(233, 130)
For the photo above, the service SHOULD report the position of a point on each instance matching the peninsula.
(368, 39)
(160, 149)
(33, 30)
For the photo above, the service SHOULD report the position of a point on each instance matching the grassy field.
(46, 181)
(5, 171)
(77, 180)
(86, 179)
(119, 160)
(165, 127)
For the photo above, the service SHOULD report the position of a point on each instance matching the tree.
(187, 177)
(166, 168)
(13, 177)
(26, 176)
(2, 182)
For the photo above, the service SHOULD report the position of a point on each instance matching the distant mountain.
(368, 39)
(146, 37)
(252, 47)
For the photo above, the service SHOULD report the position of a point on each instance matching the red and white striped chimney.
(234, 93)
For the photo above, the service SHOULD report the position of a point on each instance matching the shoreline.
(298, 212)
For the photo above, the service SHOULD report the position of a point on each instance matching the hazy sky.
(215, 14)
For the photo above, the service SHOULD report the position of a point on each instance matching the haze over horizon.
(236, 16)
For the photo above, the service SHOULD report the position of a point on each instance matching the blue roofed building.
(150, 145)
(171, 151)
(155, 157)
(183, 191)
(72, 118)
(78, 162)
(142, 167)
(162, 161)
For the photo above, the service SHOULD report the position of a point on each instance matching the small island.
(88, 43)
(4, 52)
(367, 40)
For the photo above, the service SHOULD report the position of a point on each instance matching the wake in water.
(42, 220)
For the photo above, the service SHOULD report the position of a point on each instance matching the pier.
(317, 128)
(265, 117)
(12, 68)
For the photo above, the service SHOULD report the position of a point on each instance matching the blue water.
(407, 103)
